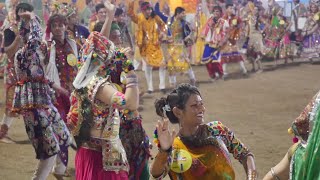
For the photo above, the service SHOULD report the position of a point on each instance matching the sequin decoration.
(118, 100)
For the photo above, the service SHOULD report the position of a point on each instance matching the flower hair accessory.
(166, 108)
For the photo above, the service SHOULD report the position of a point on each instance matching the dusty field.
(259, 109)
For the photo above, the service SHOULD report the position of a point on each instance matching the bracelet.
(168, 151)
(131, 85)
(274, 175)
(130, 80)
(252, 174)
(132, 76)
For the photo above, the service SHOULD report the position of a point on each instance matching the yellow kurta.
(178, 56)
(198, 48)
(147, 37)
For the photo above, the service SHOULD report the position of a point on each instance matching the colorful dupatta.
(306, 161)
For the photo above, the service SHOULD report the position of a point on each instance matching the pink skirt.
(88, 165)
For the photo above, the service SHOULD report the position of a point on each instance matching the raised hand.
(165, 136)
(109, 5)
(26, 15)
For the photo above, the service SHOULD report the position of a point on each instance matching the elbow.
(132, 105)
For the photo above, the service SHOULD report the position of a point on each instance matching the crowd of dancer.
(75, 86)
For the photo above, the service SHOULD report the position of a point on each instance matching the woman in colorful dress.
(302, 159)
(201, 17)
(147, 39)
(285, 50)
(95, 112)
(10, 45)
(132, 134)
(200, 151)
(45, 128)
(277, 40)
(311, 33)
(178, 32)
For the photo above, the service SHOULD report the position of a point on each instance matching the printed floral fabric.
(47, 132)
(45, 128)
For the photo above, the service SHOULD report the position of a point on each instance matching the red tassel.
(295, 140)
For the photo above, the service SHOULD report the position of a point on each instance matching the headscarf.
(303, 123)
(306, 163)
(97, 52)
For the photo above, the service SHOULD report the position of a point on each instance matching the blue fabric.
(209, 54)
(164, 18)
(82, 31)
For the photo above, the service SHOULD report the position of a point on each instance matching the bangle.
(252, 174)
(274, 175)
(130, 80)
(168, 151)
(131, 85)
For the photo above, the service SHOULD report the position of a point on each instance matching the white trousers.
(173, 78)
(45, 166)
(242, 66)
(148, 74)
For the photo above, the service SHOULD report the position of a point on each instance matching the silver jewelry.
(274, 175)
(166, 108)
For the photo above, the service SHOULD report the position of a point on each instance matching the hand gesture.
(110, 7)
(165, 136)
(26, 15)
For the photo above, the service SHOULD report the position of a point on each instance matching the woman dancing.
(199, 150)
(94, 117)
(301, 160)
(45, 128)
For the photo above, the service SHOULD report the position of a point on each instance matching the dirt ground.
(259, 109)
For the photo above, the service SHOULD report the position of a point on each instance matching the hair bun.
(159, 105)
